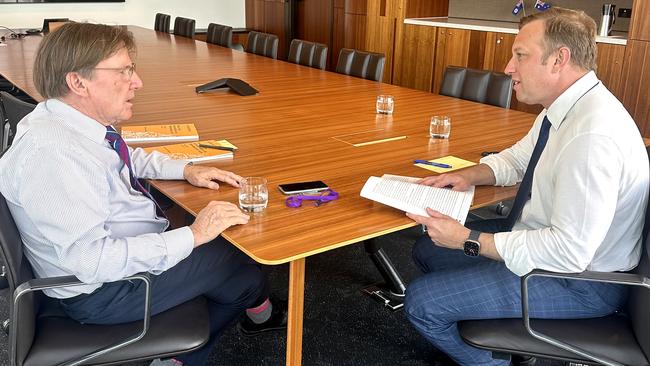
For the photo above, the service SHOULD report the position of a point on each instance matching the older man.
(71, 184)
(584, 186)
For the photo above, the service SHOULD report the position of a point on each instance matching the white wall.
(133, 12)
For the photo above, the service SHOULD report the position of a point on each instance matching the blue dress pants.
(456, 287)
(230, 280)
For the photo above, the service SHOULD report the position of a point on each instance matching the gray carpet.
(341, 326)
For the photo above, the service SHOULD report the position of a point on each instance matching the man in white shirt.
(71, 184)
(580, 206)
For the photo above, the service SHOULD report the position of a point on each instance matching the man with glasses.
(72, 186)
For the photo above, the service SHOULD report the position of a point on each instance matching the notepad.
(191, 151)
(456, 163)
(160, 133)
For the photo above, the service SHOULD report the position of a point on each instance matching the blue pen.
(427, 162)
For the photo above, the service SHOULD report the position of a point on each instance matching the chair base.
(381, 293)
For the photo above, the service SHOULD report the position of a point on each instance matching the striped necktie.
(117, 143)
(523, 194)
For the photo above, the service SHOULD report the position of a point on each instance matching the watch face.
(471, 248)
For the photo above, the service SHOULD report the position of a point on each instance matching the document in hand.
(404, 194)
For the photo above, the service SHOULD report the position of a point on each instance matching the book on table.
(405, 194)
(178, 132)
(192, 151)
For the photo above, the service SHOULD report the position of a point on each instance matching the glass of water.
(253, 194)
(385, 104)
(440, 127)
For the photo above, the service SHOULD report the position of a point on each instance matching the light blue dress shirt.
(70, 196)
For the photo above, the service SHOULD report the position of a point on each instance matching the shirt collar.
(563, 104)
(77, 121)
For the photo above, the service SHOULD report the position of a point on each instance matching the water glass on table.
(253, 194)
(440, 127)
(385, 104)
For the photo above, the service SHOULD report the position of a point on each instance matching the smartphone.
(302, 187)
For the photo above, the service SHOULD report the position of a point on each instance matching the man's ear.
(562, 57)
(76, 83)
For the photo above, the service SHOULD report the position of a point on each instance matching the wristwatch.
(472, 247)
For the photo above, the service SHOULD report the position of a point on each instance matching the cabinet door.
(502, 51)
(414, 64)
(636, 73)
(452, 49)
(610, 66)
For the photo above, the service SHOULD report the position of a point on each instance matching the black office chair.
(263, 44)
(184, 27)
(481, 86)
(618, 339)
(308, 54)
(221, 35)
(41, 334)
(162, 22)
(366, 65)
(13, 110)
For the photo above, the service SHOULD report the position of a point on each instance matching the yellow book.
(454, 162)
(196, 151)
(160, 133)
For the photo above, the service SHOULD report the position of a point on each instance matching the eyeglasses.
(126, 70)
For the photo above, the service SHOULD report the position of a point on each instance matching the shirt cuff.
(179, 243)
(173, 169)
(511, 248)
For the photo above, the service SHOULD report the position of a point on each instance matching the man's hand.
(205, 176)
(213, 219)
(456, 181)
(443, 230)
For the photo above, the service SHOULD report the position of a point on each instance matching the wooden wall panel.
(426, 8)
(413, 65)
(355, 31)
(338, 34)
(452, 49)
(639, 24)
(356, 7)
(502, 51)
(636, 73)
(255, 15)
(315, 21)
(275, 22)
(610, 67)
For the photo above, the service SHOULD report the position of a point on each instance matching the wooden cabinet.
(640, 29)
(610, 67)
(452, 49)
(271, 16)
(636, 73)
(413, 64)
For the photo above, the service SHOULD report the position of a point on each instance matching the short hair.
(76, 47)
(568, 28)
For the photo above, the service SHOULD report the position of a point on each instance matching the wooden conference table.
(301, 126)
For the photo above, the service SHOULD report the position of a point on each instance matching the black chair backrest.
(18, 271)
(219, 34)
(184, 27)
(308, 53)
(367, 65)
(263, 44)
(481, 86)
(162, 22)
(14, 110)
(639, 299)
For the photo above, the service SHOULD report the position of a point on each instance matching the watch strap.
(474, 235)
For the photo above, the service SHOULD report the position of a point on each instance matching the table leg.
(296, 302)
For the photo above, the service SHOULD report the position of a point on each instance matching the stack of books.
(194, 151)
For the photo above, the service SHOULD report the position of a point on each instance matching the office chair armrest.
(629, 279)
(46, 283)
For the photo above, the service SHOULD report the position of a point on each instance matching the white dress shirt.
(72, 201)
(590, 187)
